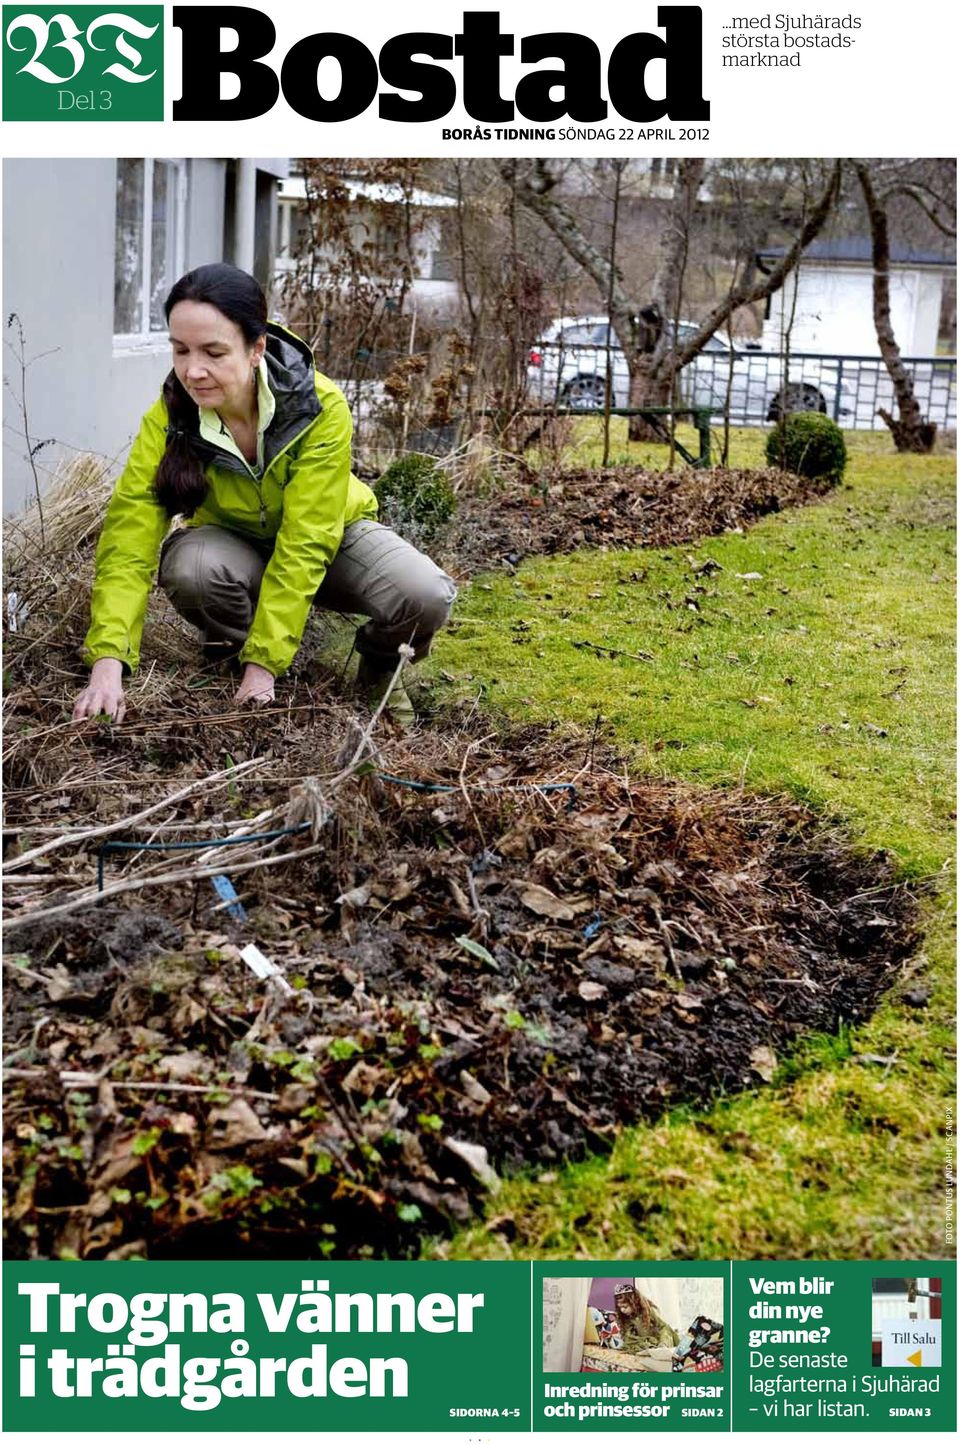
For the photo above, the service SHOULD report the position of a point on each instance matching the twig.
(347, 1124)
(32, 446)
(184, 875)
(667, 942)
(405, 651)
(471, 747)
(19, 879)
(683, 927)
(122, 823)
(588, 760)
(195, 826)
(76, 1080)
(615, 651)
(481, 914)
(213, 850)
(20, 970)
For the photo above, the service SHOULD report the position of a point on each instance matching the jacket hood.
(290, 370)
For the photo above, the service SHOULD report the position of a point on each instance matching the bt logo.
(52, 54)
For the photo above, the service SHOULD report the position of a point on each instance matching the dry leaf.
(477, 1159)
(181, 1123)
(190, 1065)
(688, 1000)
(401, 885)
(188, 1012)
(355, 897)
(365, 1078)
(62, 985)
(541, 900)
(473, 1088)
(591, 991)
(234, 1124)
(460, 899)
(643, 950)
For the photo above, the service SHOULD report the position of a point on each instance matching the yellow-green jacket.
(302, 502)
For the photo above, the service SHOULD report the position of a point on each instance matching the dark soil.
(556, 511)
(487, 978)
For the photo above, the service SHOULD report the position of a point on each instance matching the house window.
(149, 244)
(387, 239)
(443, 266)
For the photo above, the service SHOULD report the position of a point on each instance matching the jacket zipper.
(258, 481)
(282, 452)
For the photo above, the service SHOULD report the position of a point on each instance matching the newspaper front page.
(478, 541)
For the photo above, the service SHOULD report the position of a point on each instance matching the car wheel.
(798, 396)
(584, 393)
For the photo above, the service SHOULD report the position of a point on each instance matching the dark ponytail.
(180, 484)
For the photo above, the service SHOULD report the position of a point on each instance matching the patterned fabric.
(701, 1349)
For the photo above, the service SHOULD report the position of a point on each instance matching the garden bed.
(481, 974)
(554, 511)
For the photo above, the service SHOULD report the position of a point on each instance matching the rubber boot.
(373, 681)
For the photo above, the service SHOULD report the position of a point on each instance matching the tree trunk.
(648, 387)
(911, 432)
(651, 379)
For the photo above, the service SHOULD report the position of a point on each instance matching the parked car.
(568, 367)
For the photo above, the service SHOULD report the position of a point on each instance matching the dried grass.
(73, 509)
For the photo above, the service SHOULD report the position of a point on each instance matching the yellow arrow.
(915, 1359)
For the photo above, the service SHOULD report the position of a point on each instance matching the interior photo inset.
(627, 1324)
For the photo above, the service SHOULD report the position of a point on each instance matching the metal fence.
(753, 387)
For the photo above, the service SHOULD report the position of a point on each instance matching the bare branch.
(749, 290)
(914, 193)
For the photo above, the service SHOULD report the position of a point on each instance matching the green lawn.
(815, 658)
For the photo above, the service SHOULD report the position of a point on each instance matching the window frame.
(158, 340)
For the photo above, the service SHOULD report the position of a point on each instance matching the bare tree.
(911, 431)
(653, 352)
(354, 261)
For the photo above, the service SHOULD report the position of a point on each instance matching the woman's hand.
(256, 686)
(103, 693)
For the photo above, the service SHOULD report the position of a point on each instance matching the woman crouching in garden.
(251, 447)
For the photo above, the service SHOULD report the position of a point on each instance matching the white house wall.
(834, 311)
(205, 200)
(58, 274)
(929, 301)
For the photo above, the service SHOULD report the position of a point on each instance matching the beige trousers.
(212, 577)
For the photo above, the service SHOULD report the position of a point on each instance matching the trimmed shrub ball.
(416, 498)
(809, 445)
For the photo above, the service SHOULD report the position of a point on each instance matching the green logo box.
(265, 1346)
(83, 62)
